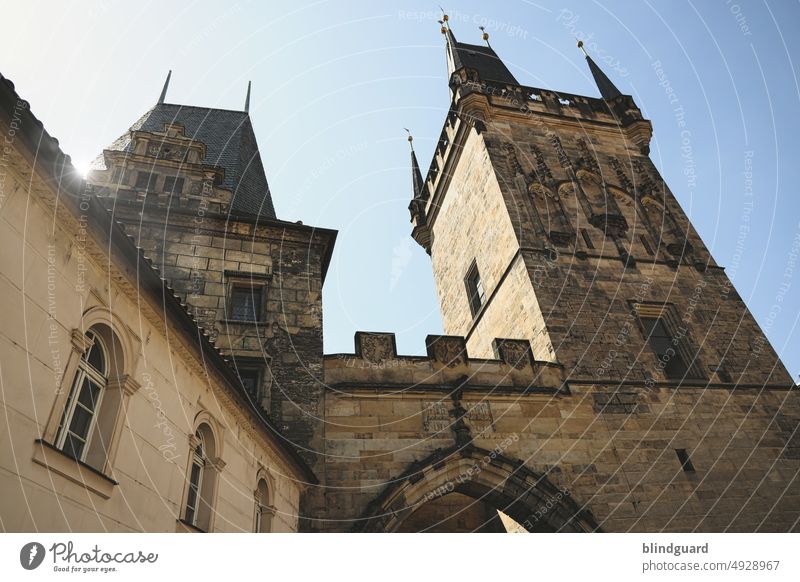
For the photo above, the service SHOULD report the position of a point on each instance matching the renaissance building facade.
(163, 368)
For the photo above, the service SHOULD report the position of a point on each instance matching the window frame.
(257, 302)
(238, 280)
(666, 314)
(475, 289)
(95, 377)
(176, 180)
(198, 460)
(152, 177)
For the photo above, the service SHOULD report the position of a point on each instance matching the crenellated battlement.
(376, 365)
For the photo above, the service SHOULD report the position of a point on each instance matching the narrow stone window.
(587, 239)
(195, 480)
(646, 244)
(264, 511)
(685, 461)
(664, 345)
(475, 291)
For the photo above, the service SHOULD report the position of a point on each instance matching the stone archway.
(505, 484)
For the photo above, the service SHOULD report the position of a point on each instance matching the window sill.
(182, 526)
(248, 322)
(49, 457)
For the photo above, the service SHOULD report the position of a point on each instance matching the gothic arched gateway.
(487, 476)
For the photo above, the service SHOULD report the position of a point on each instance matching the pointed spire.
(247, 99)
(164, 90)
(453, 60)
(607, 89)
(416, 175)
(478, 58)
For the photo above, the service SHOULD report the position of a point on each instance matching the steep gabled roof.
(480, 58)
(230, 143)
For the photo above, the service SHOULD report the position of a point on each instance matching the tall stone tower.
(546, 220)
(188, 184)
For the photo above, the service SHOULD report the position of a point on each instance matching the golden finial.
(485, 34)
(580, 46)
(410, 138)
(444, 30)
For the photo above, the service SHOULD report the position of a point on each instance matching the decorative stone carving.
(448, 350)
(542, 171)
(563, 158)
(622, 177)
(516, 353)
(376, 347)
(587, 159)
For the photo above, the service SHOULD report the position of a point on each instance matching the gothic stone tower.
(546, 220)
(189, 186)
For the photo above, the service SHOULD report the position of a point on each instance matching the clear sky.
(334, 83)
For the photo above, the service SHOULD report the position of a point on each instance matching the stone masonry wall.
(611, 450)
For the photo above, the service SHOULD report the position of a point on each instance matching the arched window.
(77, 426)
(204, 465)
(264, 511)
(196, 480)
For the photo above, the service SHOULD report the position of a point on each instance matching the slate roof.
(230, 143)
(481, 58)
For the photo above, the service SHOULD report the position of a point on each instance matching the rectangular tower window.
(145, 181)
(250, 378)
(686, 462)
(246, 303)
(173, 184)
(586, 238)
(475, 292)
(646, 244)
(665, 346)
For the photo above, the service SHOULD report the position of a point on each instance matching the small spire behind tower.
(416, 175)
(164, 90)
(607, 89)
(247, 99)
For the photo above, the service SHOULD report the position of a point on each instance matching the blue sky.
(334, 83)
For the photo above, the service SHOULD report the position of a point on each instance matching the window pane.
(145, 180)
(249, 380)
(95, 356)
(245, 303)
(676, 367)
(81, 419)
(73, 446)
(173, 184)
(660, 345)
(90, 392)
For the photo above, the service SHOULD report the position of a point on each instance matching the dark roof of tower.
(230, 143)
(416, 176)
(607, 89)
(481, 58)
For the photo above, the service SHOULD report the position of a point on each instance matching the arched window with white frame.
(195, 480)
(264, 510)
(77, 426)
(203, 469)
